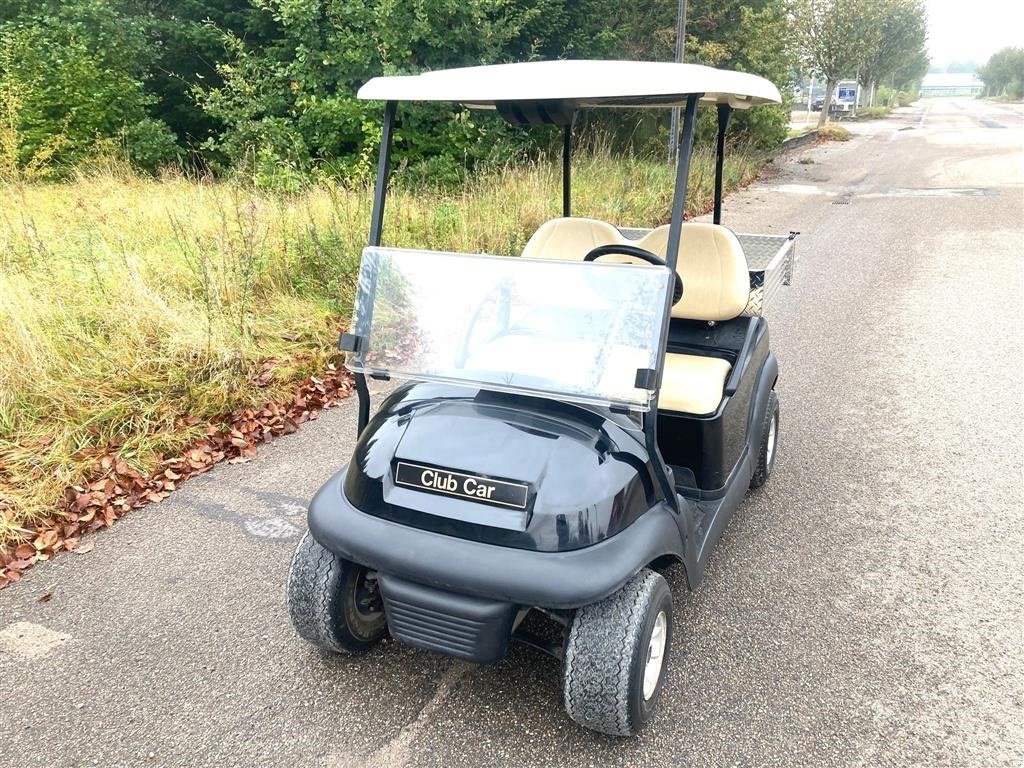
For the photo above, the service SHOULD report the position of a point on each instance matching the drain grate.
(841, 201)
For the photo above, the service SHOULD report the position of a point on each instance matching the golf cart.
(577, 420)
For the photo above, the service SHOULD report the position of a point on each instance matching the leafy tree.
(186, 38)
(900, 42)
(71, 80)
(834, 34)
(270, 85)
(1004, 73)
(747, 35)
(292, 101)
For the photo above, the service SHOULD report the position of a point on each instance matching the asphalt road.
(866, 608)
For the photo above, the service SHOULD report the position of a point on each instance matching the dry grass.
(128, 303)
(833, 132)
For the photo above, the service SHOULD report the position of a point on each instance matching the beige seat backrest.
(570, 239)
(716, 283)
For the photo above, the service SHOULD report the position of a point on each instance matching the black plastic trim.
(349, 342)
(558, 580)
(740, 365)
(466, 627)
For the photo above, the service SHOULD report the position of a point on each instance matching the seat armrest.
(733, 382)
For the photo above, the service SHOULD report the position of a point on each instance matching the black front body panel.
(558, 476)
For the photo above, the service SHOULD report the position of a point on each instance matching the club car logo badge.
(471, 487)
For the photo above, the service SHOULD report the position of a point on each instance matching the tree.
(72, 82)
(833, 35)
(1004, 73)
(902, 32)
(290, 102)
(186, 38)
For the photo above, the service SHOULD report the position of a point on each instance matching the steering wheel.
(639, 253)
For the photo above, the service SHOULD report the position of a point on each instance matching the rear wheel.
(616, 656)
(333, 603)
(769, 443)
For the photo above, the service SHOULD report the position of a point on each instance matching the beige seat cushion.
(692, 383)
(716, 283)
(570, 239)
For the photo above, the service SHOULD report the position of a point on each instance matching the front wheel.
(769, 443)
(616, 656)
(333, 603)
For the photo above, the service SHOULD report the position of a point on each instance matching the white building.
(939, 84)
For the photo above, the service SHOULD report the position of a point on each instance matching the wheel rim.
(771, 440)
(366, 596)
(655, 655)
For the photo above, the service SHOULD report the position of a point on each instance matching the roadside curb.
(798, 141)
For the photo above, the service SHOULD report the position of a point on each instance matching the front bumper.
(557, 580)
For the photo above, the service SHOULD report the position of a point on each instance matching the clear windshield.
(573, 330)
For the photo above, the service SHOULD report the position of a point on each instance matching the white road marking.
(799, 189)
(30, 641)
(291, 508)
(807, 189)
(930, 192)
(271, 528)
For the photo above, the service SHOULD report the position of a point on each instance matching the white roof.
(585, 83)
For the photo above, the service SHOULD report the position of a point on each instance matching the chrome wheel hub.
(655, 655)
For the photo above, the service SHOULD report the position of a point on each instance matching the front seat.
(716, 287)
(570, 238)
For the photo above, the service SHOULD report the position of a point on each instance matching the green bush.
(267, 87)
(895, 98)
(1004, 74)
(71, 79)
(873, 113)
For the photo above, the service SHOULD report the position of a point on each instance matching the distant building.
(941, 84)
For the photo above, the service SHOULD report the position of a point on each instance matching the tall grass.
(127, 304)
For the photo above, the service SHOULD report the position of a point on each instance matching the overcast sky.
(960, 30)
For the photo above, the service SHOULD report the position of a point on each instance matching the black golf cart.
(579, 418)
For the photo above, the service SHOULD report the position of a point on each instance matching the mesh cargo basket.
(770, 259)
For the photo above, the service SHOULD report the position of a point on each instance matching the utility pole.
(680, 46)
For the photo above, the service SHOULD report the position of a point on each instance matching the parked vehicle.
(843, 100)
(578, 419)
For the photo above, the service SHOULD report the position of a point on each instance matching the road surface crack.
(397, 752)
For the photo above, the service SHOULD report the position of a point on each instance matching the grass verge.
(833, 132)
(873, 113)
(135, 313)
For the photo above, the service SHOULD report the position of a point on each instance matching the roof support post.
(682, 174)
(380, 191)
(724, 113)
(567, 166)
(665, 483)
